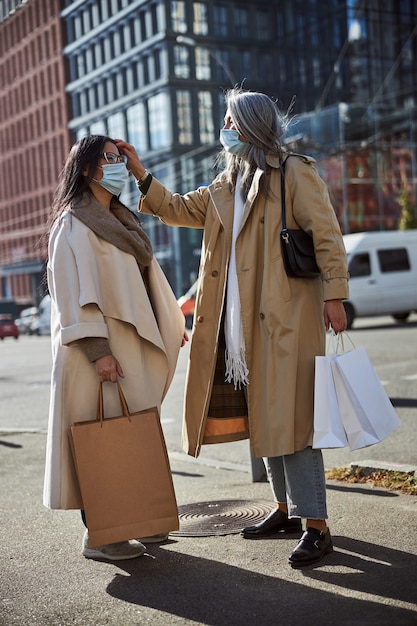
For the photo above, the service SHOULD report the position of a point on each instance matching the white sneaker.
(155, 538)
(113, 551)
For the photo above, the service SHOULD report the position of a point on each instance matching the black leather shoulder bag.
(296, 245)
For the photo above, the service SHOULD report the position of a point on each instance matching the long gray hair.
(259, 120)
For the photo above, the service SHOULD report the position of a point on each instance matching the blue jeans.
(299, 480)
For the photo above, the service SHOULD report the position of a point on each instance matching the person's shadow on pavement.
(217, 594)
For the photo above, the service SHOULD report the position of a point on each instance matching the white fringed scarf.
(236, 369)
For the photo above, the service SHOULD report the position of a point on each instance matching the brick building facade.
(34, 139)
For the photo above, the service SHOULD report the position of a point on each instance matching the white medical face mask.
(229, 138)
(114, 177)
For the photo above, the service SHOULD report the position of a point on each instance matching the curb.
(367, 467)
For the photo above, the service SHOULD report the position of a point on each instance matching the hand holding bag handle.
(296, 245)
(100, 404)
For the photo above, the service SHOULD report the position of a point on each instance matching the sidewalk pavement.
(218, 580)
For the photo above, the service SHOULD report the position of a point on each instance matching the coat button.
(262, 316)
(215, 273)
(200, 318)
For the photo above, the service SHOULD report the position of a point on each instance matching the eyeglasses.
(112, 157)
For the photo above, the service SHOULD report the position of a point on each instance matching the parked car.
(187, 304)
(27, 321)
(8, 327)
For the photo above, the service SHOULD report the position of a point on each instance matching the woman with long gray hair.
(257, 331)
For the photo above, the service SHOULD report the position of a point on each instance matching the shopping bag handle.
(337, 342)
(100, 406)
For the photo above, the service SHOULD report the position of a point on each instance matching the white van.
(383, 274)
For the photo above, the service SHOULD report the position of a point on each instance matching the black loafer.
(277, 521)
(313, 545)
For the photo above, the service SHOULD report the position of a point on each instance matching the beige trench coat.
(282, 317)
(97, 291)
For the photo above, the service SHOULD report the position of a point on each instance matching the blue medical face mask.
(229, 138)
(114, 177)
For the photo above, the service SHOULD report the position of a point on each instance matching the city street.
(392, 348)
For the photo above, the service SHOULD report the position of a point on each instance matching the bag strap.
(283, 208)
(100, 406)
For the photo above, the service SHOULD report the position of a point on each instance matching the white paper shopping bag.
(366, 411)
(328, 427)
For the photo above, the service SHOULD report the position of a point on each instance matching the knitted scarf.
(117, 226)
(236, 368)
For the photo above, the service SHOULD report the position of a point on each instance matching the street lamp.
(189, 41)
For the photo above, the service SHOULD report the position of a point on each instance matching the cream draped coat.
(282, 317)
(97, 291)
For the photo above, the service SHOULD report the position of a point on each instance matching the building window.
(200, 26)
(145, 69)
(265, 64)
(134, 26)
(107, 51)
(221, 109)
(91, 95)
(78, 26)
(86, 26)
(98, 58)
(316, 73)
(178, 17)
(246, 64)
(184, 116)
(83, 103)
(205, 117)
(263, 25)
(202, 64)
(222, 68)
(136, 127)
(98, 128)
(80, 65)
(95, 16)
(241, 22)
(157, 63)
(159, 128)
(302, 71)
(220, 21)
(142, 17)
(75, 100)
(101, 94)
(111, 95)
(89, 60)
(181, 62)
(154, 19)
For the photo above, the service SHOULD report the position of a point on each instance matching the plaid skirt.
(227, 417)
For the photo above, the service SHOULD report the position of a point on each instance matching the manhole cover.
(224, 517)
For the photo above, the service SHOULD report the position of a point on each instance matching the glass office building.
(154, 72)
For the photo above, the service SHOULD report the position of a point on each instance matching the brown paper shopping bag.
(124, 475)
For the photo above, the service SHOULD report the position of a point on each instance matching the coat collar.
(223, 198)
